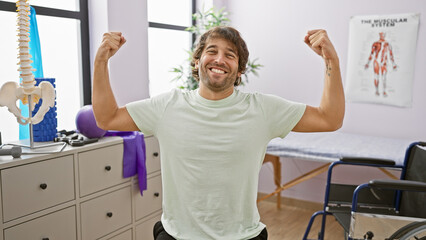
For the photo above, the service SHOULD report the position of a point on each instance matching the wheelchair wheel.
(412, 231)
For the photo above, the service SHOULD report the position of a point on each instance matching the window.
(64, 39)
(168, 42)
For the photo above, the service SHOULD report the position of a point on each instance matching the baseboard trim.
(293, 202)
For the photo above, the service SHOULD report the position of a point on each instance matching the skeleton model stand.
(27, 92)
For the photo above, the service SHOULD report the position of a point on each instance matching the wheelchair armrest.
(376, 161)
(405, 185)
(355, 161)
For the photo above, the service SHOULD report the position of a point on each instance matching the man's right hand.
(111, 42)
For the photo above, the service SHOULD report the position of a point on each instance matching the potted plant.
(204, 21)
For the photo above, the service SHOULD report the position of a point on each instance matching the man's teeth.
(217, 71)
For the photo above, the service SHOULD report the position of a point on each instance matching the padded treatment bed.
(328, 147)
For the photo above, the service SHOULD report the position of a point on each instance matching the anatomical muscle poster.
(381, 59)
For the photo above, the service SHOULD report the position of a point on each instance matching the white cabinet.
(123, 236)
(151, 200)
(100, 169)
(79, 194)
(105, 214)
(152, 155)
(144, 230)
(36, 186)
(57, 225)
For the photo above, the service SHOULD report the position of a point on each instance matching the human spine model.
(27, 92)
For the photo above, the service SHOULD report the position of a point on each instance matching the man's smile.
(217, 70)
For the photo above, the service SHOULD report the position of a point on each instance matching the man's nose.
(220, 59)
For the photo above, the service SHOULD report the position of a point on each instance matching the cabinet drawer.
(100, 169)
(152, 155)
(33, 187)
(123, 236)
(57, 225)
(144, 230)
(151, 200)
(105, 214)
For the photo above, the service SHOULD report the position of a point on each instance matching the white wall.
(129, 67)
(274, 31)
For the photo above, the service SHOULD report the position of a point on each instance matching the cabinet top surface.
(34, 155)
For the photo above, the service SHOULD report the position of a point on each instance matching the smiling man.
(213, 139)
(217, 63)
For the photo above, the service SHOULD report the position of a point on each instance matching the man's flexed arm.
(329, 115)
(107, 113)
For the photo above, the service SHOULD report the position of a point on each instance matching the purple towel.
(133, 156)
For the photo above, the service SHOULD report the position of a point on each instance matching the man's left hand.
(318, 41)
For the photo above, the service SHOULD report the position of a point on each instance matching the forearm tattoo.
(328, 69)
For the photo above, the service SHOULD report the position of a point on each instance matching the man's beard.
(216, 86)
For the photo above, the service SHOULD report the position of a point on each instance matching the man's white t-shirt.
(211, 155)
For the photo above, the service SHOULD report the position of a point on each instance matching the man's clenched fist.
(111, 42)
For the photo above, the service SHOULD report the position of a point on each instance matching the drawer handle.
(109, 214)
(108, 168)
(156, 194)
(45, 239)
(155, 154)
(43, 186)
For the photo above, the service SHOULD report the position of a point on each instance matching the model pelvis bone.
(11, 92)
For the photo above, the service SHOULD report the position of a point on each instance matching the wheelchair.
(380, 209)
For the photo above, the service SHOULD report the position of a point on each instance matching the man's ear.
(239, 74)
(196, 63)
